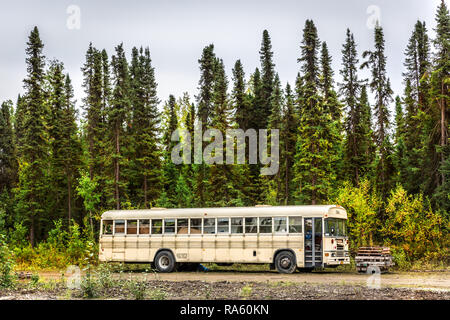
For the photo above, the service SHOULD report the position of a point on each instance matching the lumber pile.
(373, 259)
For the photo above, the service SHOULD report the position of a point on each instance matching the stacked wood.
(373, 259)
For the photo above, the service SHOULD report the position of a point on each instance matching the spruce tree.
(267, 81)
(8, 152)
(144, 152)
(34, 145)
(439, 98)
(400, 163)
(204, 110)
(170, 171)
(314, 156)
(273, 183)
(380, 86)
(288, 136)
(117, 115)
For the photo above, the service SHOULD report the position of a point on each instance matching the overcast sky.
(177, 30)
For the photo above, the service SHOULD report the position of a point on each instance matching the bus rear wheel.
(164, 261)
(285, 262)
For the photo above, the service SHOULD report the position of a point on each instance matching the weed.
(246, 291)
(137, 289)
(88, 286)
(158, 294)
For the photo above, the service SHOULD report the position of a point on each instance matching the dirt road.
(419, 280)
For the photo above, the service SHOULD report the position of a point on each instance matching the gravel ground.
(199, 290)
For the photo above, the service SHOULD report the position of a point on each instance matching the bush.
(7, 279)
(412, 229)
(89, 286)
(137, 289)
(362, 205)
(61, 249)
(158, 294)
(104, 276)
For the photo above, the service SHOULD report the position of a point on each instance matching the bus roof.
(305, 210)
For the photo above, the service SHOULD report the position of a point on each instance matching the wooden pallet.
(373, 257)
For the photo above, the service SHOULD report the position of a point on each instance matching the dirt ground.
(253, 285)
(418, 280)
(201, 290)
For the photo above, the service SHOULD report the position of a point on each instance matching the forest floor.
(247, 285)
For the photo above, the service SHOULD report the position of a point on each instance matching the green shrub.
(158, 294)
(88, 286)
(104, 276)
(400, 258)
(137, 289)
(7, 278)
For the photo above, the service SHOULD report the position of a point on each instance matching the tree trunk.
(117, 169)
(69, 197)
(32, 236)
(145, 192)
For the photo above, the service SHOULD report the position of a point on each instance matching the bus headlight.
(346, 253)
(333, 254)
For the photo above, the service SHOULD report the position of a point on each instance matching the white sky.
(177, 30)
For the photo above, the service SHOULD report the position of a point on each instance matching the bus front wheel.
(285, 262)
(164, 261)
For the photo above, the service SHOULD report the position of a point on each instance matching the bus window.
(107, 226)
(236, 225)
(223, 225)
(156, 226)
(295, 224)
(131, 226)
(265, 225)
(169, 225)
(144, 226)
(251, 225)
(280, 224)
(182, 226)
(196, 226)
(209, 226)
(119, 227)
(335, 227)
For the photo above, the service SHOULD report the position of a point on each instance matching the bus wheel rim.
(164, 262)
(285, 262)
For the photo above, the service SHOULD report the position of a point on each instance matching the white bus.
(286, 237)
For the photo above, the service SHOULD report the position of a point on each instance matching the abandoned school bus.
(286, 237)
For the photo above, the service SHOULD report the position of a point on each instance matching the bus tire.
(165, 262)
(285, 262)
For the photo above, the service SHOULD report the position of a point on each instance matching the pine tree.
(94, 106)
(221, 187)
(417, 63)
(332, 106)
(204, 110)
(380, 86)
(240, 99)
(357, 140)
(170, 171)
(288, 138)
(439, 100)
(33, 164)
(273, 184)
(314, 156)
(267, 81)
(144, 151)
(65, 145)
(400, 162)
(117, 115)
(8, 152)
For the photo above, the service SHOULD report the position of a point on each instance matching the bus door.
(313, 242)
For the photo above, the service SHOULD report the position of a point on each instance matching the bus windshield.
(335, 227)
